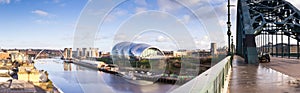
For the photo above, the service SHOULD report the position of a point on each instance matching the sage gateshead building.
(131, 54)
(135, 51)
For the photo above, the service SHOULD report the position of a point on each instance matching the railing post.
(268, 42)
(289, 45)
(272, 45)
(276, 44)
(282, 50)
(263, 42)
(297, 49)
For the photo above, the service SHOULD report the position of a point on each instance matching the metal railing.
(214, 80)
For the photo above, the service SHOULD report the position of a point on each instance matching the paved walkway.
(246, 78)
(290, 67)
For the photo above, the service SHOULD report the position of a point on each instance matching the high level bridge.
(259, 25)
(262, 26)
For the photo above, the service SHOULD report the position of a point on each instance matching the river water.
(72, 78)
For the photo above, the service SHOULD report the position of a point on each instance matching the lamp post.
(229, 34)
(228, 26)
(232, 46)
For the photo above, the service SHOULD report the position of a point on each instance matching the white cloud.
(121, 12)
(191, 2)
(120, 37)
(40, 12)
(194, 1)
(110, 18)
(4, 1)
(140, 9)
(223, 22)
(162, 39)
(168, 5)
(207, 10)
(296, 3)
(44, 21)
(203, 43)
(115, 15)
(186, 19)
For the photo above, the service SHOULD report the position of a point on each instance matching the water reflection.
(67, 67)
(71, 78)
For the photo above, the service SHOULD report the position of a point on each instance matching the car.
(264, 57)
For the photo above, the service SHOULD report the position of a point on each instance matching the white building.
(180, 53)
(213, 49)
(87, 52)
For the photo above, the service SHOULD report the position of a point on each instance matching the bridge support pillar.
(251, 52)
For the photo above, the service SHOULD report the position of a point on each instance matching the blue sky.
(52, 23)
(38, 23)
(111, 32)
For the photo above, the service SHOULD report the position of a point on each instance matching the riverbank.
(39, 78)
(87, 63)
(24, 78)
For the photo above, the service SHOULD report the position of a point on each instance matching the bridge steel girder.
(270, 16)
(246, 46)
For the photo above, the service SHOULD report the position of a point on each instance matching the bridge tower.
(68, 53)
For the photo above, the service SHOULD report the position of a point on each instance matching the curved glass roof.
(133, 49)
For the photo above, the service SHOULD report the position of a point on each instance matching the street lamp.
(232, 46)
(229, 34)
(229, 25)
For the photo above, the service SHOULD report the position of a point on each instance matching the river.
(72, 78)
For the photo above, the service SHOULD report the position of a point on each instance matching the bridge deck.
(290, 67)
(246, 78)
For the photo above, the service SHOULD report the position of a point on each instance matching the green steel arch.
(271, 17)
